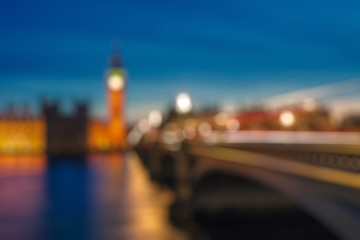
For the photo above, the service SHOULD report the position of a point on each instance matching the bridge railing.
(326, 156)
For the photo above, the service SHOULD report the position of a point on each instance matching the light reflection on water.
(101, 197)
(22, 199)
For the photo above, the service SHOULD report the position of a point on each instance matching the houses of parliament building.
(56, 134)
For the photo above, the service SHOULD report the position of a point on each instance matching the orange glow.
(22, 135)
(98, 139)
(111, 134)
(116, 124)
(23, 164)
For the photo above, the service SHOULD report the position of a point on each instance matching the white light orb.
(221, 118)
(155, 118)
(183, 103)
(287, 118)
(205, 129)
(143, 125)
(116, 82)
(232, 124)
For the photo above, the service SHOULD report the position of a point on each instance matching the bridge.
(274, 175)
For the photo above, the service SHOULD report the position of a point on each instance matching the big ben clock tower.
(115, 84)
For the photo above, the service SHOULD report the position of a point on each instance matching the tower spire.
(115, 80)
(116, 59)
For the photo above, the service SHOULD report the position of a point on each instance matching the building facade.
(110, 134)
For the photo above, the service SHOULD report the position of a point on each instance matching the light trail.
(318, 92)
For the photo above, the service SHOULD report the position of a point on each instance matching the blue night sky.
(218, 51)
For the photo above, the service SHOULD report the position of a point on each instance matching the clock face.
(115, 82)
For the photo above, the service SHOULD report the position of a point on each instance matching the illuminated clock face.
(116, 82)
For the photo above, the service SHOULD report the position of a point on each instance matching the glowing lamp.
(183, 103)
(287, 119)
(115, 82)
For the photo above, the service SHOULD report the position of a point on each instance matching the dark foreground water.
(99, 197)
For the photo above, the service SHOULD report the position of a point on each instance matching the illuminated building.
(21, 133)
(58, 134)
(110, 134)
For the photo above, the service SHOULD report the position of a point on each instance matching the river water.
(98, 197)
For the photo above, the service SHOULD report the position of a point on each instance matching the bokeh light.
(287, 118)
(155, 118)
(183, 103)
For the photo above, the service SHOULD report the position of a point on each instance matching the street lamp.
(287, 118)
(183, 103)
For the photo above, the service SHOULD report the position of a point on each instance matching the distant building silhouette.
(66, 134)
